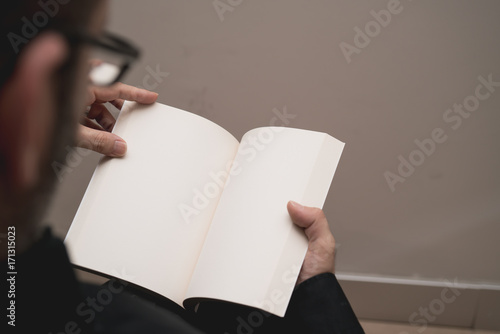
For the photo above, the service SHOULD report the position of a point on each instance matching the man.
(44, 83)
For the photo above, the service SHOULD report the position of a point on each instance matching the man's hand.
(321, 252)
(97, 137)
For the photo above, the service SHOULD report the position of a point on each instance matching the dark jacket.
(49, 299)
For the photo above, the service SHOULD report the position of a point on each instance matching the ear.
(27, 109)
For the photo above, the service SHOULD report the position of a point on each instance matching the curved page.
(144, 217)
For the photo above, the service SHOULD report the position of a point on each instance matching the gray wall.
(444, 220)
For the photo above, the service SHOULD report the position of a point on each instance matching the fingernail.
(297, 205)
(119, 148)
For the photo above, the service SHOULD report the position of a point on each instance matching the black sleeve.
(49, 298)
(318, 305)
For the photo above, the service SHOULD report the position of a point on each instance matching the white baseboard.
(423, 303)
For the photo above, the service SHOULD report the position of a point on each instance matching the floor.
(378, 327)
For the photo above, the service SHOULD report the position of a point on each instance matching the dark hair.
(23, 20)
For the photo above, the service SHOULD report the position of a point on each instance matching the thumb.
(101, 141)
(312, 220)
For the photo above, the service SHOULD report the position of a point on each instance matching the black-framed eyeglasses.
(111, 56)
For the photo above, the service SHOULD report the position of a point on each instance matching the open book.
(191, 213)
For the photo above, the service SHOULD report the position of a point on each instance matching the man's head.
(42, 89)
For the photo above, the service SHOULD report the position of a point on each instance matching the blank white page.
(253, 252)
(130, 222)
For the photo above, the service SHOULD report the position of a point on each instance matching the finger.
(118, 103)
(90, 96)
(312, 220)
(90, 124)
(102, 115)
(102, 142)
(122, 91)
